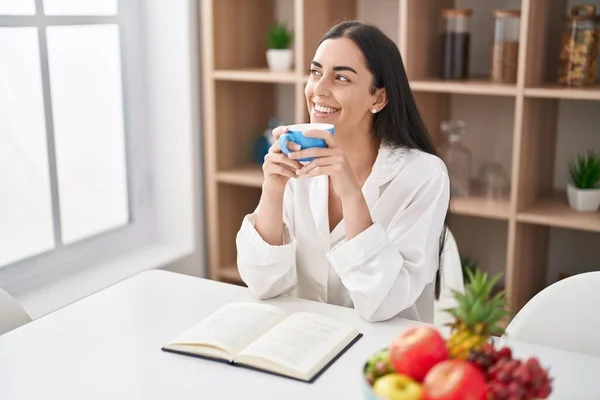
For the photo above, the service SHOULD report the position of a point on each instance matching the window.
(72, 180)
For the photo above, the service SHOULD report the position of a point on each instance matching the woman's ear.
(381, 100)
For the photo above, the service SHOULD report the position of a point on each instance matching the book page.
(304, 343)
(232, 327)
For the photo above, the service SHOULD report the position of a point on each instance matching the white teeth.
(326, 110)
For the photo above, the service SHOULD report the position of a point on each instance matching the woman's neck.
(361, 149)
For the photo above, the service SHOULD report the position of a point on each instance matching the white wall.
(172, 29)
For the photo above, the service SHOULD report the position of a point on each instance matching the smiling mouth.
(323, 111)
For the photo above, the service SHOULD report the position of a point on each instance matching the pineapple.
(476, 316)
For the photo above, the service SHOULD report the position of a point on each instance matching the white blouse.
(388, 269)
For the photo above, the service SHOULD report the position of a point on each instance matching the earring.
(373, 110)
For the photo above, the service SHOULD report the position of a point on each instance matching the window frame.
(107, 245)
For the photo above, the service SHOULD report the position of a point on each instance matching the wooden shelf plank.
(471, 86)
(480, 206)
(251, 176)
(255, 75)
(555, 211)
(556, 91)
(230, 273)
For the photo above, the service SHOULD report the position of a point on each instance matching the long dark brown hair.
(399, 123)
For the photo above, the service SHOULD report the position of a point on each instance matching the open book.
(263, 337)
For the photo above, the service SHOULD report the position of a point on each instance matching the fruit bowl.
(417, 366)
(420, 364)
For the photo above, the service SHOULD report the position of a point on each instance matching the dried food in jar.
(579, 48)
(504, 56)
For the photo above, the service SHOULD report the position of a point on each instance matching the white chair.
(564, 315)
(451, 278)
(12, 315)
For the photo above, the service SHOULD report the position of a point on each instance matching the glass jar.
(455, 42)
(494, 181)
(504, 57)
(579, 47)
(457, 158)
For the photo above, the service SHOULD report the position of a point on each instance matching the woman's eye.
(343, 78)
(314, 72)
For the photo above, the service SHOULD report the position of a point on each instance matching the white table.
(107, 346)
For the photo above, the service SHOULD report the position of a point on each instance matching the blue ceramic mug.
(296, 134)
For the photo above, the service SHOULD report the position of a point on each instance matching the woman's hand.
(329, 161)
(278, 168)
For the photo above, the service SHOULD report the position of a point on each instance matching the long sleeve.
(386, 270)
(268, 270)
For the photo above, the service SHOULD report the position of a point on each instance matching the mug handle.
(282, 143)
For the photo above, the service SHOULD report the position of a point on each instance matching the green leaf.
(279, 37)
(584, 171)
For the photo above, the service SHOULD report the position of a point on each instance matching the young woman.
(360, 225)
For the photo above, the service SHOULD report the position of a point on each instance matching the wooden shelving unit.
(471, 86)
(555, 91)
(240, 95)
(553, 210)
(254, 75)
(251, 176)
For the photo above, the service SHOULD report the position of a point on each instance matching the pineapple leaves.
(476, 308)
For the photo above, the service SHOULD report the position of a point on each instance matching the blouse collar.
(388, 163)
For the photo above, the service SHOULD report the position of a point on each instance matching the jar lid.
(582, 12)
(456, 12)
(498, 13)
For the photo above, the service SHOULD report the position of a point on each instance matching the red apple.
(416, 350)
(397, 387)
(454, 380)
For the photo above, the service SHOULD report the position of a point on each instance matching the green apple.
(397, 387)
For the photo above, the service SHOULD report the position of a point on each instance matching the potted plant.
(279, 53)
(583, 190)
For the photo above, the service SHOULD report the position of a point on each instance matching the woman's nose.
(321, 88)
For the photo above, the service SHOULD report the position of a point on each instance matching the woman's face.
(338, 89)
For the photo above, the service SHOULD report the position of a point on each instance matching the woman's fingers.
(321, 134)
(280, 130)
(292, 146)
(315, 152)
(280, 158)
(318, 162)
(321, 170)
(278, 169)
(275, 148)
(277, 132)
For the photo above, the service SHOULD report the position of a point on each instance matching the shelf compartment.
(554, 211)
(556, 91)
(483, 242)
(422, 43)
(234, 204)
(480, 206)
(470, 86)
(250, 176)
(255, 75)
(243, 111)
(239, 29)
(319, 17)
